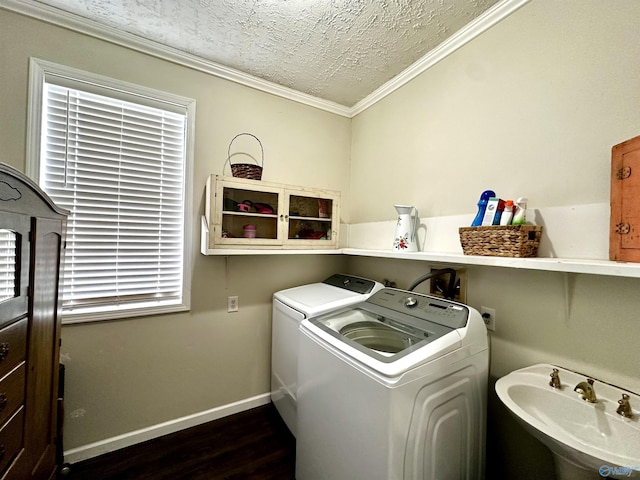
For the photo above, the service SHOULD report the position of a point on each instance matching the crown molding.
(73, 22)
(463, 36)
(60, 18)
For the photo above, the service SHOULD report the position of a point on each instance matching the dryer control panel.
(351, 283)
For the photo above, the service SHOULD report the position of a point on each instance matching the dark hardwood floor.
(255, 444)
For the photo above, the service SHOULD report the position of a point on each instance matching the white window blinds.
(8, 259)
(119, 167)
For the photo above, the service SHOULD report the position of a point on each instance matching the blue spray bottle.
(482, 206)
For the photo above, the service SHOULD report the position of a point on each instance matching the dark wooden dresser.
(31, 249)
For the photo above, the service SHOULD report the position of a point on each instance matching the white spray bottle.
(520, 217)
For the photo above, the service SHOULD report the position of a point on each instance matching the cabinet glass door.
(249, 216)
(310, 218)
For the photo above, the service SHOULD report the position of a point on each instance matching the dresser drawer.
(11, 439)
(11, 393)
(13, 345)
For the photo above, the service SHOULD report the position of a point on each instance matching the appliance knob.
(410, 302)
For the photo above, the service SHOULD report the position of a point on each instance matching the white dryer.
(393, 388)
(290, 307)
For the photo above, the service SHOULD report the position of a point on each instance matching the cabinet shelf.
(309, 219)
(253, 250)
(249, 214)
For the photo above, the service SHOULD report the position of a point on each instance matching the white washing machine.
(290, 307)
(393, 388)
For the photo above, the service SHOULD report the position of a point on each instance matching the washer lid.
(335, 292)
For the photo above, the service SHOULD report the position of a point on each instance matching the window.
(117, 157)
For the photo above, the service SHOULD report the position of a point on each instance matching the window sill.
(119, 314)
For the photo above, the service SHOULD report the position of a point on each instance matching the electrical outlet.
(232, 304)
(489, 317)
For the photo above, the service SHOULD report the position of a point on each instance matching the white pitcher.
(406, 231)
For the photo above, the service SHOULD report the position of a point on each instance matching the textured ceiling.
(336, 50)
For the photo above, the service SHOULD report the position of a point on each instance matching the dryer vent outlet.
(439, 284)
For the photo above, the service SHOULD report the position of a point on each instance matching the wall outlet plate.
(489, 317)
(232, 304)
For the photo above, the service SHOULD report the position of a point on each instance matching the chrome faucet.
(625, 407)
(555, 379)
(586, 391)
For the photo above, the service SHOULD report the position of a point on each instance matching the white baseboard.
(91, 450)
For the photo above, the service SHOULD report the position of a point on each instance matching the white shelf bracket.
(568, 279)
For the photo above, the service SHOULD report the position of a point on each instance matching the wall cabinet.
(31, 249)
(624, 232)
(243, 213)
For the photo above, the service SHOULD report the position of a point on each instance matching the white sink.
(589, 436)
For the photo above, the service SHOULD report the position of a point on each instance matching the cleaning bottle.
(507, 214)
(482, 206)
(490, 211)
(520, 217)
(499, 211)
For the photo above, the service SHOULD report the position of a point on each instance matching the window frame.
(39, 72)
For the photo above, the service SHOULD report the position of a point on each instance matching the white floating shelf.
(563, 265)
(568, 265)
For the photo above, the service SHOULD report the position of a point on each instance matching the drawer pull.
(1, 452)
(4, 351)
(3, 401)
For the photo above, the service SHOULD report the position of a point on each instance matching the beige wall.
(530, 108)
(131, 374)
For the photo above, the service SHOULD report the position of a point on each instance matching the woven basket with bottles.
(501, 241)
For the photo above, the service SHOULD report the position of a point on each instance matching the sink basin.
(589, 436)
